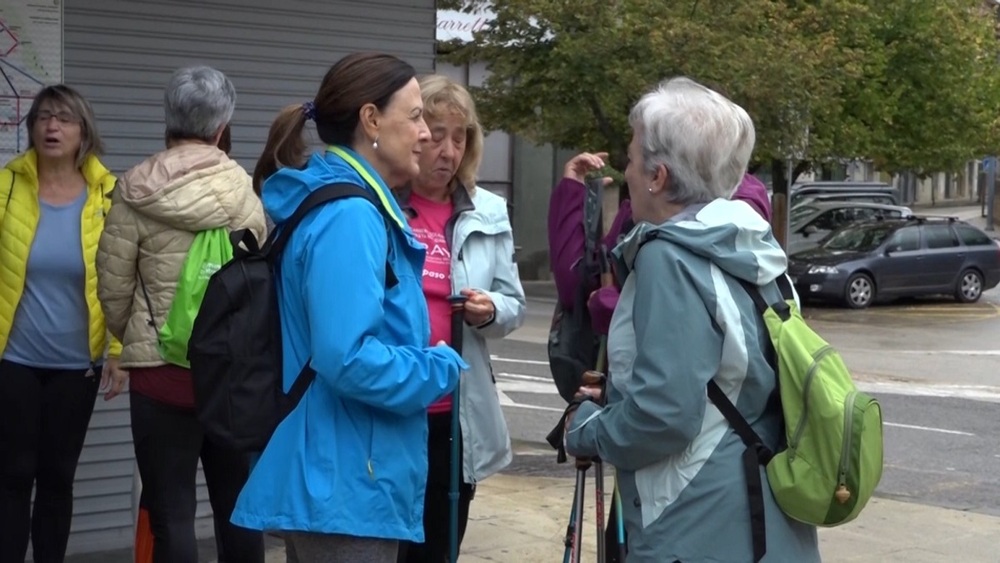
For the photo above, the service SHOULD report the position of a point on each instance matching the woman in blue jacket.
(344, 474)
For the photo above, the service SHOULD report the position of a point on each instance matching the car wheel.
(970, 287)
(860, 292)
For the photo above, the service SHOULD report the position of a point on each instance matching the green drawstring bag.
(210, 250)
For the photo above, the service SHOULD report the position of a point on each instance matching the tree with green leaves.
(824, 80)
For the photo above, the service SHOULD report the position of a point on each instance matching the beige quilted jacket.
(157, 208)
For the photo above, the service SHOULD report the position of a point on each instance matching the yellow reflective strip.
(368, 178)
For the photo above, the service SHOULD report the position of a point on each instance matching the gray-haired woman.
(159, 206)
(682, 320)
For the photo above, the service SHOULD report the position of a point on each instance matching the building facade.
(119, 54)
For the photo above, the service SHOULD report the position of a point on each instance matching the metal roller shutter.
(120, 53)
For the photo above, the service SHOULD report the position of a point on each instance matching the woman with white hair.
(684, 319)
(158, 208)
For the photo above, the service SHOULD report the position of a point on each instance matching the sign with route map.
(31, 57)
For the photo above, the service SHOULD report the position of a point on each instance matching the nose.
(424, 134)
(448, 149)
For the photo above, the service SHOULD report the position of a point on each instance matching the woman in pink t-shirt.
(470, 250)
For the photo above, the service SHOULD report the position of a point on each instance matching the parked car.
(810, 223)
(861, 197)
(807, 189)
(891, 258)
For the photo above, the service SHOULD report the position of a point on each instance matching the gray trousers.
(307, 547)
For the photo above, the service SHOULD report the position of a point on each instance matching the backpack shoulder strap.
(756, 452)
(317, 198)
(331, 192)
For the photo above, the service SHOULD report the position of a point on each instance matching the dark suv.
(898, 258)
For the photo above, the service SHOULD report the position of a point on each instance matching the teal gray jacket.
(684, 319)
(482, 258)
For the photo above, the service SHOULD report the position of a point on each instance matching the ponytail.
(285, 145)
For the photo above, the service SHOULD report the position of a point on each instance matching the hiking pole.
(578, 499)
(599, 507)
(619, 520)
(598, 378)
(457, 329)
(568, 540)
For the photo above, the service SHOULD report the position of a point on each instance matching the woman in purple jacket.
(566, 237)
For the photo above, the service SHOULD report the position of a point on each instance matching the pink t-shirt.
(429, 227)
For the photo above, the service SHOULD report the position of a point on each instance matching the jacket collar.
(460, 199)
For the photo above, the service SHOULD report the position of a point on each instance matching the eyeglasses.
(63, 117)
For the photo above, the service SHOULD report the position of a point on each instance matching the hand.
(593, 387)
(479, 308)
(113, 379)
(580, 165)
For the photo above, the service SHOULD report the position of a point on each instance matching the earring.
(650, 190)
(375, 144)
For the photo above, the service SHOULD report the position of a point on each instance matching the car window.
(973, 237)
(800, 212)
(940, 236)
(905, 239)
(823, 221)
(864, 213)
(857, 238)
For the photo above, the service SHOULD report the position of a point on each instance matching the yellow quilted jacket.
(19, 214)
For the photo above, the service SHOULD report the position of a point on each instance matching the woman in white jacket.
(470, 250)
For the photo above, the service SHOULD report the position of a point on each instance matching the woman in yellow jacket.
(53, 342)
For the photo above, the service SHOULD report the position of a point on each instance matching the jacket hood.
(730, 234)
(288, 187)
(191, 187)
(26, 164)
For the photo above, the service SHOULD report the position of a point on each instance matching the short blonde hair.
(442, 95)
(64, 96)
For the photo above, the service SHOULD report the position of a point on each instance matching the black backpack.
(235, 345)
(572, 343)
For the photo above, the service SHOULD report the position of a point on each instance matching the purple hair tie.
(309, 108)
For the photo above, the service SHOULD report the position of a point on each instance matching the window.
(905, 239)
(940, 236)
(973, 237)
(857, 238)
(827, 221)
(864, 213)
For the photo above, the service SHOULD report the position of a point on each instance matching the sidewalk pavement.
(518, 518)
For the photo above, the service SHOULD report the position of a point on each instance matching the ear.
(661, 179)
(368, 119)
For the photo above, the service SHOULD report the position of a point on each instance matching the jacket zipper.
(843, 494)
(370, 465)
(801, 425)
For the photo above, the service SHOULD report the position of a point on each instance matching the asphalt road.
(931, 363)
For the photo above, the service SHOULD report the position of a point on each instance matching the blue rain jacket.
(352, 457)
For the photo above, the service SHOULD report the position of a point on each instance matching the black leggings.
(44, 415)
(168, 443)
(437, 505)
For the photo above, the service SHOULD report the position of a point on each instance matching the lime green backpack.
(831, 457)
(209, 251)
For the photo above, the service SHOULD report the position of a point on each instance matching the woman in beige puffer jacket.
(157, 209)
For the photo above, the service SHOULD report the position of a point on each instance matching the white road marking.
(506, 401)
(930, 352)
(984, 393)
(519, 361)
(535, 385)
(928, 429)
